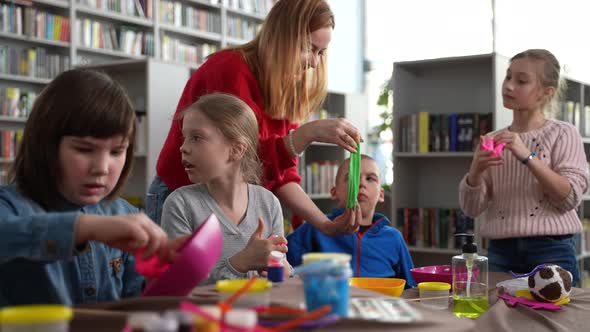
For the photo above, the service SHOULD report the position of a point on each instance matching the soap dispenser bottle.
(470, 281)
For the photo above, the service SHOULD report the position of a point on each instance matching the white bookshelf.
(34, 40)
(114, 16)
(80, 54)
(23, 79)
(53, 3)
(205, 35)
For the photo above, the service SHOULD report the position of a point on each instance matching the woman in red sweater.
(281, 75)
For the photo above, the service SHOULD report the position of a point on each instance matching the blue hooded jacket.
(380, 251)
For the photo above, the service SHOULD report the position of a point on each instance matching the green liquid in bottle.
(469, 307)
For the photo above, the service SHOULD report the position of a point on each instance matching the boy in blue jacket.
(377, 248)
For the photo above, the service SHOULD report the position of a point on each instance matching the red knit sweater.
(227, 72)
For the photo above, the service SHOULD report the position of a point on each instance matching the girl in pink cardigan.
(530, 191)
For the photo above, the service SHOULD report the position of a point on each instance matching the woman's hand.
(482, 160)
(336, 131)
(125, 232)
(346, 223)
(254, 257)
(513, 143)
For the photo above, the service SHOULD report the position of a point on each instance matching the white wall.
(345, 53)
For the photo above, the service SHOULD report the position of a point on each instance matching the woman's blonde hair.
(274, 56)
(237, 123)
(548, 76)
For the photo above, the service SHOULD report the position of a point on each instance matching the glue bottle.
(470, 281)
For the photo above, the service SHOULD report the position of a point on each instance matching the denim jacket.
(39, 262)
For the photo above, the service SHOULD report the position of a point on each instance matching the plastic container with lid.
(275, 267)
(243, 320)
(142, 320)
(33, 318)
(434, 295)
(257, 295)
(325, 281)
(204, 325)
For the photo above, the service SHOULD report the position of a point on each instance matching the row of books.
(31, 22)
(15, 102)
(127, 39)
(571, 112)
(425, 132)
(9, 140)
(320, 176)
(434, 227)
(238, 27)
(250, 6)
(187, 53)
(181, 15)
(4, 168)
(141, 8)
(32, 62)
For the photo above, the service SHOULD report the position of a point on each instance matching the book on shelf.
(9, 140)
(320, 177)
(4, 170)
(241, 28)
(424, 132)
(34, 22)
(124, 38)
(32, 62)
(139, 8)
(179, 14)
(15, 102)
(176, 50)
(434, 227)
(250, 6)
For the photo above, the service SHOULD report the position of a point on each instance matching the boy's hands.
(254, 257)
(128, 233)
(346, 223)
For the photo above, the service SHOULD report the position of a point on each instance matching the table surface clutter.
(574, 316)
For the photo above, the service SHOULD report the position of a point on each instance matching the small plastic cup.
(435, 295)
(326, 282)
(35, 318)
(257, 295)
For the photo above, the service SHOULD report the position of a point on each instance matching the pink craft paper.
(488, 145)
(151, 267)
(513, 301)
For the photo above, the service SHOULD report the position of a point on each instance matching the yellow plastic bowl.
(388, 286)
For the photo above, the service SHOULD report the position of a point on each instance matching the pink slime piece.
(489, 145)
(151, 267)
(512, 301)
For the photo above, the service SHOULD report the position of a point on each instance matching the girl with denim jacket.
(65, 237)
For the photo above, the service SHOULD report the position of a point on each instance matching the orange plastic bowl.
(388, 286)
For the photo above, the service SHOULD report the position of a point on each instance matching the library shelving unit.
(155, 102)
(51, 36)
(457, 85)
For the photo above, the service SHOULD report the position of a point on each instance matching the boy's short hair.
(80, 103)
(345, 163)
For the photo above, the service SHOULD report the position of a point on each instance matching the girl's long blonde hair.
(274, 56)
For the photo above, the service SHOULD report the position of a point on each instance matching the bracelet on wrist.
(527, 159)
(291, 145)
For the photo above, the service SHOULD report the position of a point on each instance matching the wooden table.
(574, 316)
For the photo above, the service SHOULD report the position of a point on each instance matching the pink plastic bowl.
(437, 273)
(196, 258)
(434, 273)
